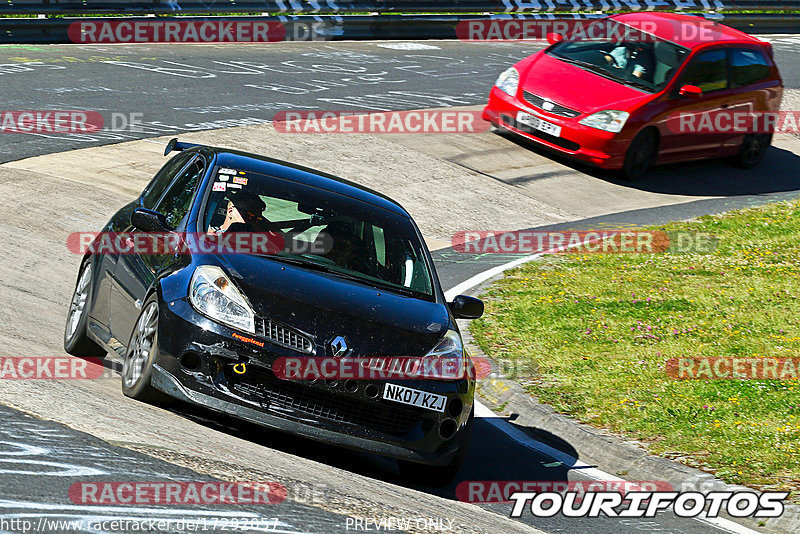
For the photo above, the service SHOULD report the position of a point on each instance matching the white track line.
(526, 441)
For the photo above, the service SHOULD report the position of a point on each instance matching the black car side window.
(176, 202)
(708, 71)
(163, 178)
(748, 66)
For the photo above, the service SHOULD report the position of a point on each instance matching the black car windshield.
(624, 54)
(320, 230)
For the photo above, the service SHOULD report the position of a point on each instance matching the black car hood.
(374, 321)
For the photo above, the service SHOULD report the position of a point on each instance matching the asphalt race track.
(173, 89)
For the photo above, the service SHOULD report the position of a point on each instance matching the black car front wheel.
(141, 355)
(641, 155)
(76, 341)
(439, 476)
(752, 150)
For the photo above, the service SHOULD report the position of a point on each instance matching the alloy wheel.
(77, 306)
(141, 346)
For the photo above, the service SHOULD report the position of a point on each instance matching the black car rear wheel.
(439, 476)
(141, 355)
(641, 155)
(752, 150)
(76, 342)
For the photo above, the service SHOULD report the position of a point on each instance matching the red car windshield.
(624, 54)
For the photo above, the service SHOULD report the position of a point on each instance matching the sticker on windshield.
(219, 186)
(223, 177)
(227, 171)
(239, 180)
(234, 186)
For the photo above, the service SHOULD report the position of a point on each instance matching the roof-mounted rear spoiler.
(174, 144)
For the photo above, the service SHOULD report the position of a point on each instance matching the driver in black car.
(245, 213)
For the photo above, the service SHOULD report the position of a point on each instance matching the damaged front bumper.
(201, 362)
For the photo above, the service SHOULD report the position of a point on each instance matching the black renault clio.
(352, 278)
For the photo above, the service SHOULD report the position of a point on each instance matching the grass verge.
(599, 328)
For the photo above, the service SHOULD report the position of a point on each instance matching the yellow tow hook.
(240, 368)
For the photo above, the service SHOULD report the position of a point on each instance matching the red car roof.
(686, 30)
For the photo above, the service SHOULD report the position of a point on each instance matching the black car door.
(105, 264)
(134, 273)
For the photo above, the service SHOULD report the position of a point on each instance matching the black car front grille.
(272, 393)
(557, 109)
(284, 336)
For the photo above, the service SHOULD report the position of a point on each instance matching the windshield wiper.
(590, 66)
(640, 85)
(298, 261)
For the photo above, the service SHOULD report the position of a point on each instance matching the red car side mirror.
(691, 91)
(554, 38)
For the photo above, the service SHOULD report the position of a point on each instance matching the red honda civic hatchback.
(654, 88)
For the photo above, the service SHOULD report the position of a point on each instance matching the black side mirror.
(149, 221)
(464, 307)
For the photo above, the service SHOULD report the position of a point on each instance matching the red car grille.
(557, 109)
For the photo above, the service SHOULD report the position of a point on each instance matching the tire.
(76, 341)
(439, 476)
(640, 155)
(141, 355)
(752, 151)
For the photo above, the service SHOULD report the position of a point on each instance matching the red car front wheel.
(641, 155)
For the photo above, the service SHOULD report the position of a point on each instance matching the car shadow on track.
(492, 455)
(714, 177)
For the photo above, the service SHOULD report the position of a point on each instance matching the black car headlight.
(447, 359)
(213, 294)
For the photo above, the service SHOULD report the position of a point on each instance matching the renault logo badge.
(339, 347)
(547, 105)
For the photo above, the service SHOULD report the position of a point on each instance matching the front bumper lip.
(206, 380)
(596, 147)
(166, 382)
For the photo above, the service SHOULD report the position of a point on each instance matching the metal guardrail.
(353, 27)
(73, 7)
(332, 20)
